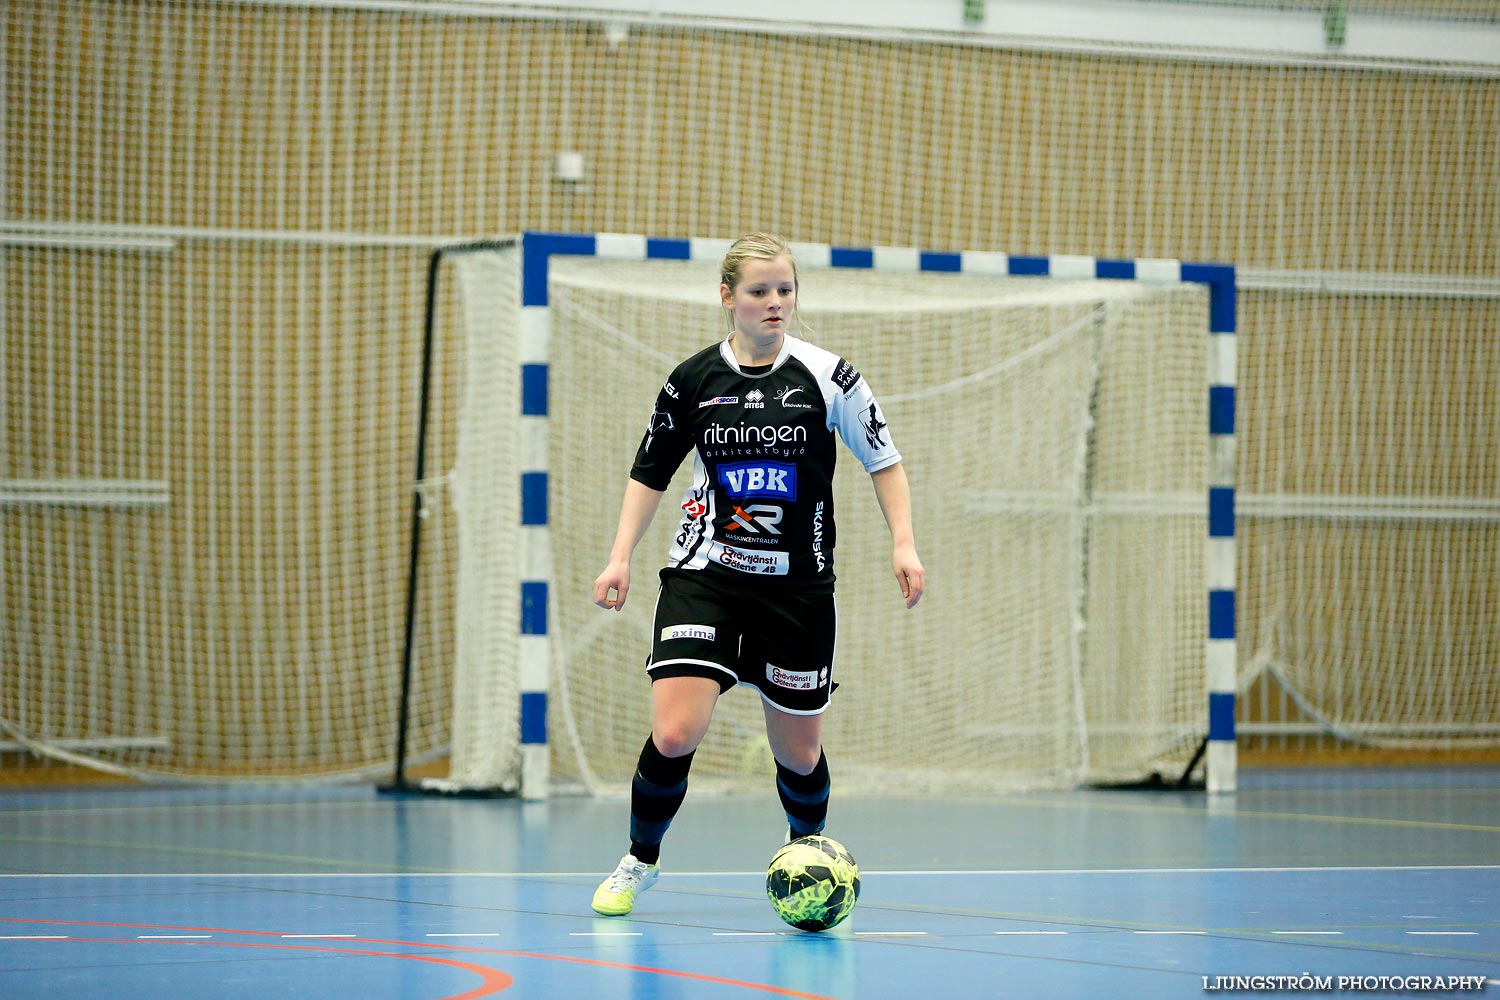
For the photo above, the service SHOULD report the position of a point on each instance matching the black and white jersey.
(761, 501)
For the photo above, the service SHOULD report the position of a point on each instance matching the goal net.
(1371, 544)
(207, 505)
(1055, 439)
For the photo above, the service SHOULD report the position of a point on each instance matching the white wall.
(1221, 31)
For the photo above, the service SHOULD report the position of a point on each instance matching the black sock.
(804, 797)
(656, 794)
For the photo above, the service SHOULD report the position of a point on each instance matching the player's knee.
(674, 740)
(803, 760)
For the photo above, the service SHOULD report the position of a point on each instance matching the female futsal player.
(747, 593)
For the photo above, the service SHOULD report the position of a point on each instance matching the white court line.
(33, 937)
(890, 933)
(474, 935)
(760, 874)
(1020, 933)
(604, 933)
(1444, 933)
(748, 933)
(1169, 933)
(316, 936)
(1308, 932)
(1174, 871)
(174, 937)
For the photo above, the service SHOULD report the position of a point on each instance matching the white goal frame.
(537, 251)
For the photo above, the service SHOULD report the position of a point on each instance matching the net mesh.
(1053, 434)
(1369, 542)
(225, 629)
(486, 514)
(233, 413)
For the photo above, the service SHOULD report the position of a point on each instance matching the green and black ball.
(813, 883)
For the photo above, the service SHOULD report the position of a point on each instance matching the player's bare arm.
(894, 495)
(636, 513)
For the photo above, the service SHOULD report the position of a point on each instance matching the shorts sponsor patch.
(760, 563)
(796, 680)
(706, 632)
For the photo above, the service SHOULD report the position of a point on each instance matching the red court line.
(493, 979)
(697, 976)
(679, 973)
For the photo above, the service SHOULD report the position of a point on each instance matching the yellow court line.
(1418, 824)
(218, 852)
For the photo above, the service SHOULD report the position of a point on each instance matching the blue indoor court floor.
(284, 891)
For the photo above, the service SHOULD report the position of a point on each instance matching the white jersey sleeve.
(852, 409)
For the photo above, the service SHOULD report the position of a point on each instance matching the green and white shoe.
(616, 895)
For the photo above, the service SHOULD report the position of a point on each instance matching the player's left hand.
(910, 575)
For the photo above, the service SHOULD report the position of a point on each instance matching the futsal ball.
(813, 883)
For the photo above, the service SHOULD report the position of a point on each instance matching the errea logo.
(755, 400)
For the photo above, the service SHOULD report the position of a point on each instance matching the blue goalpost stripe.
(1221, 409)
(933, 261)
(534, 381)
(539, 248)
(1221, 614)
(668, 249)
(852, 257)
(536, 249)
(534, 498)
(1221, 512)
(534, 717)
(1221, 302)
(534, 607)
(1221, 716)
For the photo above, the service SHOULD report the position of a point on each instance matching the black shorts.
(777, 639)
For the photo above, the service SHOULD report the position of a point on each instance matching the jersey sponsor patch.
(706, 632)
(759, 563)
(759, 479)
(873, 426)
(845, 377)
(719, 401)
(659, 422)
(789, 397)
(796, 680)
(756, 521)
(817, 536)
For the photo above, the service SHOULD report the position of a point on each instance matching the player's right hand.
(616, 577)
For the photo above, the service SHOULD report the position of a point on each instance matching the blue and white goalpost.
(537, 254)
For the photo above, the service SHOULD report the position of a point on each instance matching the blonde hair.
(755, 246)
